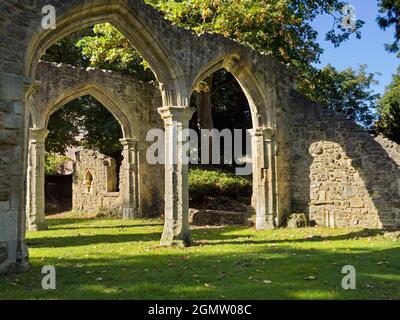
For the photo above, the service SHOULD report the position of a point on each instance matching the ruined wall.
(132, 102)
(342, 176)
(180, 59)
(95, 183)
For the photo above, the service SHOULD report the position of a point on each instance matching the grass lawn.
(114, 259)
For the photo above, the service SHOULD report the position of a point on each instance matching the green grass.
(114, 259)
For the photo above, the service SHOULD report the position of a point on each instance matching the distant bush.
(54, 164)
(219, 189)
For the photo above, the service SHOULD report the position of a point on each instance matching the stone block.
(3, 252)
(9, 138)
(357, 202)
(4, 195)
(8, 226)
(297, 220)
(218, 218)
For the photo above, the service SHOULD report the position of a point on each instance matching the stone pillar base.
(22, 264)
(129, 213)
(14, 257)
(168, 240)
(265, 224)
(38, 227)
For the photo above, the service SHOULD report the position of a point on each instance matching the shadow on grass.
(87, 240)
(219, 237)
(231, 263)
(209, 237)
(60, 227)
(230, 275)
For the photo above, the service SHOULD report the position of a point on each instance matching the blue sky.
(369, 50)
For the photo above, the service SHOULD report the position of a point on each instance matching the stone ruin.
(306, 157)
(94, 187)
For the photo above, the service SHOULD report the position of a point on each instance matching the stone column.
(36, 219)
(264, 179)
(130, 179)
(176, 226)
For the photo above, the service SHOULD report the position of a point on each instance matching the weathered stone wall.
(341, 176)
(133, 103)
(285, 172)
(95, 183)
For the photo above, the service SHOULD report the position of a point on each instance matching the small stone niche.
(88, 181)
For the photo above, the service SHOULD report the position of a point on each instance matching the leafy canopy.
(347, 91)
(109, 49)
(278, 27)
(389, 110)
(91, 121)
(390, 17)
(281, 28)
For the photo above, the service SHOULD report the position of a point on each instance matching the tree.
(66, 50)
(389, 110)
(87, 118)
(281, 28)
(390, 17)
(348, 91)
(107, 48)
(103, 132)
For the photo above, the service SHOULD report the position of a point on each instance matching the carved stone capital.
(176, 114)
(30, 85)
(202, 87)
(38, 134)
(129, 143)
(266, 133)
(232, 63)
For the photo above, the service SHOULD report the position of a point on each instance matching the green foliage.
(66, 51)
(389, 110)
(63, 129)
(348, 91)
(108, 48)
(281, 28)
(390, 17)
(87, 118)
(278, 27)
(214, 188)
(230, 108)
(54, 164)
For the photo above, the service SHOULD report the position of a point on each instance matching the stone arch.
(260, 106)
(88, 181)
(101, 94)
(264, 144)
(38, 134)
(55, 98)
(133, 103)
(142, 25)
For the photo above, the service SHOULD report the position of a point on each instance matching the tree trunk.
(204, 104)
(204, 111)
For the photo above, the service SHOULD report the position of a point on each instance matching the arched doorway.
(107, 92)
(126, 175)
(266, 165)
(221, 181)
